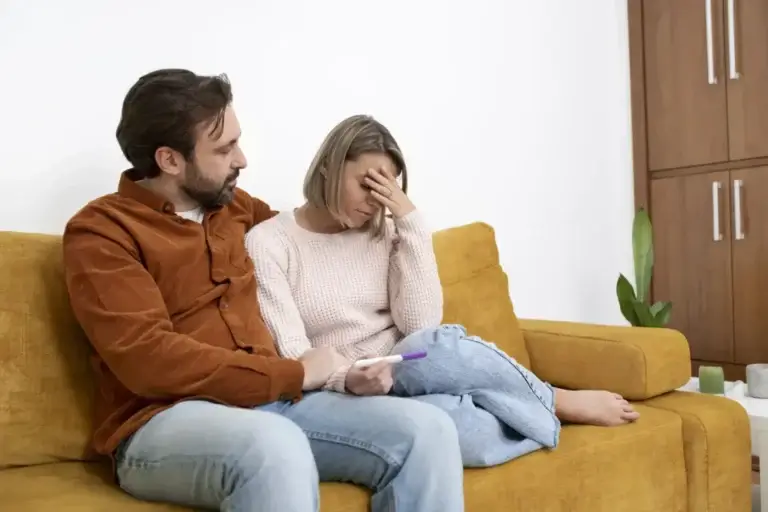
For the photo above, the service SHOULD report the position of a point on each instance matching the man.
(194, 405)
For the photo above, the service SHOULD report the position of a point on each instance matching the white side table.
(757, 409)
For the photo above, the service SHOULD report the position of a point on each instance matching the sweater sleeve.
(415, 291)
(338, 380)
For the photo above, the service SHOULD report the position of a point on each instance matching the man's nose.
(240, 161)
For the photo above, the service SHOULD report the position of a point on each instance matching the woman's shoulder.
(271, 233)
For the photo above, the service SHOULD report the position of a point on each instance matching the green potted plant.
(635, 302)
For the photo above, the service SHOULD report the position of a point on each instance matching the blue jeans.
(205, 455)
(501, 410)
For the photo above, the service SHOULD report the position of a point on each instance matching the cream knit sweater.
(351, 291)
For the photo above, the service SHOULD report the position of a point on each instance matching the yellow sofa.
(688, 452)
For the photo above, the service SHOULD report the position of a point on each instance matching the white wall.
(513, 112)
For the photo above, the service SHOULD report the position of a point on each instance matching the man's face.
(210, 177)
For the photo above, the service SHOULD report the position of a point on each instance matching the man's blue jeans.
(501, 410)
(215, 457)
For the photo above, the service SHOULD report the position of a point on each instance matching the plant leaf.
(642, 252)
(643, 312)
(661, 312)
(626, 297)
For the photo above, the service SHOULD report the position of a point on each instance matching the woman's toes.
(630, 415)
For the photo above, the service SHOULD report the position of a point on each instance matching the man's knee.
(272, 444)
(207, 454)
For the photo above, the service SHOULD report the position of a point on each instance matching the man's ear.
(169, 161)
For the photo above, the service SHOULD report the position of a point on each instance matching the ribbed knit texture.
(350, 290)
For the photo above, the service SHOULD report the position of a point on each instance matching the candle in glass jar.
(711, 380)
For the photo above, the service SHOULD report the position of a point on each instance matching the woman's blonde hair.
(347, 141)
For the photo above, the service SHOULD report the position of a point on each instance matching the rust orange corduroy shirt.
(170, 308)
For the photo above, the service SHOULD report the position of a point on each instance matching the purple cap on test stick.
(413, 355)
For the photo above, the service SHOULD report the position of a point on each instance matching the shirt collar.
(132, 190)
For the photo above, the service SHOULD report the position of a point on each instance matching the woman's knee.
(431, 431)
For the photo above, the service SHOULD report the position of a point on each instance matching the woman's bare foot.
(593, 408)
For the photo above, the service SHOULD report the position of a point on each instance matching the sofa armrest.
(638, 363)
(717, 446)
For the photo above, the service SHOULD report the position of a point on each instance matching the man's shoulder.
(106, 218)
(253, 208)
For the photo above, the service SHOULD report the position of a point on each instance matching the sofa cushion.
(638, 467)
(476, 289)
(45, 374)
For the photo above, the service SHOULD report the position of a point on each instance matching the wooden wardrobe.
(699, 88)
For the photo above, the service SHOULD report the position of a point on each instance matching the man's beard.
(207, 194)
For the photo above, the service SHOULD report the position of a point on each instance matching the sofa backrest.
(476, 288)
(46, 384)
(45, 378)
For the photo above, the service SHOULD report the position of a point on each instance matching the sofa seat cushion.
(595, 469)
(638, 467)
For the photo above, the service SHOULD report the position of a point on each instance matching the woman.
(341, 272)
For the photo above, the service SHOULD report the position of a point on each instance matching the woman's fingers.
(386, 201)
(374, 185)
(375, 369)
(384, 177)
(390, 177)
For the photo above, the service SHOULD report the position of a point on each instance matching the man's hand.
(319, 363)
(373, 380)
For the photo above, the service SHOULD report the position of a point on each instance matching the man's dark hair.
(165, 108)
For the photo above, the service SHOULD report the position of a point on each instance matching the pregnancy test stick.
(390, 359)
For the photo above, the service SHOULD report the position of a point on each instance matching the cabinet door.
(747, 77)
(687, 119)
(750, 264)
(692, 244)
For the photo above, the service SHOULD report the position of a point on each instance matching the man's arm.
(260, 211)
(120, 308)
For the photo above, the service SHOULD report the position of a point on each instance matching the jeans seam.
(478, 341)
(488, 346)
(133, 462)
(354, 443)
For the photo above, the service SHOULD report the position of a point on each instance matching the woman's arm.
(278, 309)
(269, 253)
(415, 291)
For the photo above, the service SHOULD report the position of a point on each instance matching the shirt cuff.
(287, 379)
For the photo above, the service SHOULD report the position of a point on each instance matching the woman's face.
(357, 203)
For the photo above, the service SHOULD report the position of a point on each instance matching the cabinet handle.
(737, 220)
(710, 45)
(717, 235)
(734, 74)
